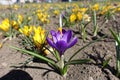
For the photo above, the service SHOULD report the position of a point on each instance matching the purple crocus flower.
(61, 40)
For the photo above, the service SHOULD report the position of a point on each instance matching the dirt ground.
(98, 52)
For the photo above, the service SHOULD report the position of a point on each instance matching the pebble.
(4, 64)
(90, 78)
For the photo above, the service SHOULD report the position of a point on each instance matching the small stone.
(4, 64)
(90, 78)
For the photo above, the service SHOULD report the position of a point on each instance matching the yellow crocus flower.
(45, 15)
(20, 19)
(37, 29)
(15, 25)
(83, 10)
(5, 25)
(44, 20)
(105, 9)
(26, 30)
(95, 7)
(39, 36)
(73, 18)
(79, 16)
(40, 15)
(56, 12)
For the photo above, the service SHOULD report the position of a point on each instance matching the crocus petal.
(58, 36)
(63, 31)
(72, 43)
(54, 39)
(67, 36)
(61, 46)
(52, 32)
(50, 42)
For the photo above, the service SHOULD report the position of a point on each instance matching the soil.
(98, 52)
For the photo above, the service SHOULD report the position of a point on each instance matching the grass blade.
(79, 61)
(36, 55)
(116, 37)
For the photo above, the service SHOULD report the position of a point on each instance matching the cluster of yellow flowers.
(43, 16)
(83, 13)
(78, 14)
(110, 8)
(37, 34)
(7, 23)
(26, 30)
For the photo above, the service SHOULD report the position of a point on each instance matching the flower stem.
(83, 32)
(118, 59)
(95, 24)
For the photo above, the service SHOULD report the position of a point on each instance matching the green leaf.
(78, 61)
(116, 37)
(36, 55)
(95, 24)
(94, 18)
(57, 56)
(105, 63)
(65, 70)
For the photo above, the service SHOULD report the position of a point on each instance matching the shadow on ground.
(16, 75)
